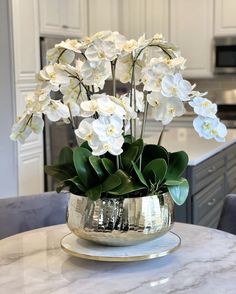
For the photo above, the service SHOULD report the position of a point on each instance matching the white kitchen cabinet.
(26, 63)
(191, 29)
(157, 18)
(144, 16)
(64, 18)
(103, 15)
(225, 20)
(25, 40)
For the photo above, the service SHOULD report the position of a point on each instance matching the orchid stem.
(161, 135)
(144, 114)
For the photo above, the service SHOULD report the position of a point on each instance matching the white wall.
(8, 165)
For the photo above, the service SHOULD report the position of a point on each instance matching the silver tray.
(148, 250)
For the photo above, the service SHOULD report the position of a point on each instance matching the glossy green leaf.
(128, 156)
(151, 152)
(178, 162)
(173, 182)
(108, 165)
(127, 185)
(82, 165)
(179, 193)
(86, 145)
(94, 193)
(97, 165)
(66, 156)
(139, 174)
(129, 139)
(111, 182)
(158, 167)
(60, 172)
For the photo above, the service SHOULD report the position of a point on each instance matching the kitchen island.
(211, 172)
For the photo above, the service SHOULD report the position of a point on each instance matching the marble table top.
(33, 262)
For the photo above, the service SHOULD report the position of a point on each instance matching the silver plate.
(148, 250)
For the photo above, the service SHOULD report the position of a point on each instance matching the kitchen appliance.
(225, 55)
(56, 134)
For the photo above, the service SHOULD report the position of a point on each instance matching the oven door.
(225, 55)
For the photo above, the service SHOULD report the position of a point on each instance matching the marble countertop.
(198, 149)
(33, 262)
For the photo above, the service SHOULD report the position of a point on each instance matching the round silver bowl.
(120, 221)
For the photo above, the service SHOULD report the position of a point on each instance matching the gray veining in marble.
(33, 262)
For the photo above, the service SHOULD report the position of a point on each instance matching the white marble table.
(33, 262)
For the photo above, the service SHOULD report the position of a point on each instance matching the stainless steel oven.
(225, 55)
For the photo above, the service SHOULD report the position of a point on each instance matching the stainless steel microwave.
(225, 55)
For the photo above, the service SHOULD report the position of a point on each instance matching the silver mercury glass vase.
(120, 221)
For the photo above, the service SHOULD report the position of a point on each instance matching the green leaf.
(97, 165)
(111, 182)
(73, 183)
(66, 156)
(128, 156)
(86, 145)
(178, 162)
(158, 167)
(128, 139)
(179, 193)
(139, 174)
(151, 152)
(94, 193)
(173, 182)
(108, 165)
(131, 152)
(83, 167)
(60, 172)
(127, 185)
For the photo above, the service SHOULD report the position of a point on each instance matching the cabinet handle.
(64, 26)
(211, 170)
(212, 202)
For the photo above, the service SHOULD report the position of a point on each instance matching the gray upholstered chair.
(20, 214)
(227, 221)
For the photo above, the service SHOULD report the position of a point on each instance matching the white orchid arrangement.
(111, 158)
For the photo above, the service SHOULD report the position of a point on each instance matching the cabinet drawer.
(207, 172)
(211, 220)
(231, 157)
(206, 200)
(230, 180)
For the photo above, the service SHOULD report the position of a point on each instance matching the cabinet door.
(64, 18)
(25, 39)
(74, 17)
(103, 15)
(225, 20)
(157, 18)
(31, 174)
(50, 16)
(191, 28)
(133, 18)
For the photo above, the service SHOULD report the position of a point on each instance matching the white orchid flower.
(176, 86)
(95, 73)
(27, 124)
(21, 130)
(204, 107)
(108, 127)
(103, 105)
(73, 107)
(70, 44)
(59, 55)
(70, 91)
(56, 110)
(210, 128)
(140, 105)
(113, 146)
(166, 109)
(124, 102)
(36, 124)
(37, 101)
(101, 50)
(85, 131)
(55, 75)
